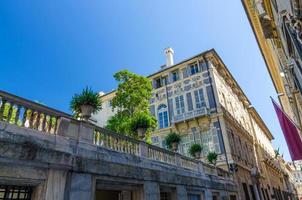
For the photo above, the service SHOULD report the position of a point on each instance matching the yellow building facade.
(277, 27)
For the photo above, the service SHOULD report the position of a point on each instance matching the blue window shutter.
(170, 106)
(185, 72)
(203, 103)
(211, 97)
(154, 83)
(189, 101)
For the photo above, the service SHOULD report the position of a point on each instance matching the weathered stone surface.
(151, 191)
(181, 193)
(38, 159)
(56, 182)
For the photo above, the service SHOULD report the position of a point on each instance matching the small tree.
(212, 157)
(86, 103)
(195, 150)
(131, 102)
(172, 140)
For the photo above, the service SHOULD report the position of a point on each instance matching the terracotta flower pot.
(197, 154)
(174, 146)
(86, 111)
(141, 132)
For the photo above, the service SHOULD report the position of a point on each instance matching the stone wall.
(65, 168)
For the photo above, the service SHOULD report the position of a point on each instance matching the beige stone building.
(200, 99)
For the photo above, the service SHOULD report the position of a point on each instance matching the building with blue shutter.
(199, 99)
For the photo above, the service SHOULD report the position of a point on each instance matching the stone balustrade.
(28, 114)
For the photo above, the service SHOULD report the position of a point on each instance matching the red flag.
(290, 132)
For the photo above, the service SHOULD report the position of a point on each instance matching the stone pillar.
(82, 131)
(55, 186)
(143, 149)
(151, 191)
(82, 187)
(224, 195)
(208, 194)
(181, 193)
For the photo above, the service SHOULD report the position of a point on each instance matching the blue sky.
(50, 50)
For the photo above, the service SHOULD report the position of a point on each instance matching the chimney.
(169, 57)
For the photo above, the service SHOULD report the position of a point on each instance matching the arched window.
(162, 112)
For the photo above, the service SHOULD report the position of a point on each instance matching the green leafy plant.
(87, 97)
(143, 120)
(172, 138)
(212, 157)
(195, 148)
(277, 153)
(131, 103)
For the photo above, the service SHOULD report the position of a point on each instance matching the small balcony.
(190, 115)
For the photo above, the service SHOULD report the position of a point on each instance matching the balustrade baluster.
(17, 115)
(37, 120)
(24, 117)
(42, 122)
(53, 123)
(32, 119)
(106, 140)
(48, 123)
(10, 113)
(126, 146)
(3, 102)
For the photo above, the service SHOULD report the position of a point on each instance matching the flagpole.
(286, 114)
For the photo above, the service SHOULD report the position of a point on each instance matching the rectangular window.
(246, 192)
(210, 141)
(175, 76)
(189, 101)
(203, 66)
(252, 192)
(8, 192)
(158, 83)
(163, 120)
(180, 105)
(185, 72)
(211, 97)
(194, 68)
(199, 99)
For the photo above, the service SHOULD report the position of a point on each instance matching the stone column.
(181, 193)
(224, 195)
(208, 194)
(55, 186)
(151, 191)
(82, 187)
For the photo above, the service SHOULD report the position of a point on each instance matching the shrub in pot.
(172, 141)
(195, 150)
(86, 103)
(212, 157)
(142, 123)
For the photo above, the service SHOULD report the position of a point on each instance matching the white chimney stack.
(169, 57)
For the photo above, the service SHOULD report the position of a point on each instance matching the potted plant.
(86, 103)
(195, 150)
(142, 123)
(212, 157)
(172, 141)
